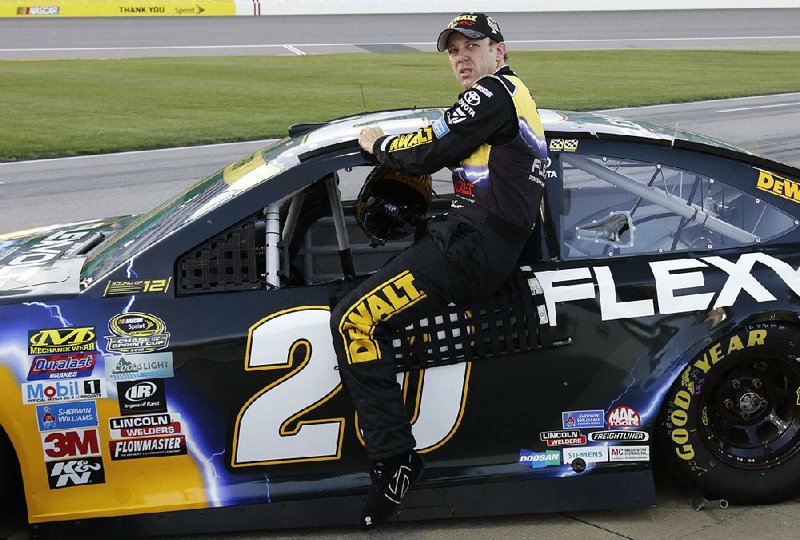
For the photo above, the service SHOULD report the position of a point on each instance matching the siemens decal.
(670, 277)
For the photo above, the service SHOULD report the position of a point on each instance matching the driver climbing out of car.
(493, 139)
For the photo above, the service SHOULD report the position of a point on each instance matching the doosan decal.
(62, 366)
(671, 277)
(49, 392)
(623, 417)
(538, 460)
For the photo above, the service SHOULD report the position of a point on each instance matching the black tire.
(730, 424)
(7, 463)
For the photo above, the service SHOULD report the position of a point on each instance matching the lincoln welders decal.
(130, 367)
(62, 366)
(154, 425)
(137, 332)
(671, 278)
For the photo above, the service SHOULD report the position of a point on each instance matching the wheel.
(6, 466)
(730, 424)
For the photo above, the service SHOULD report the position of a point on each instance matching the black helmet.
(391, 203)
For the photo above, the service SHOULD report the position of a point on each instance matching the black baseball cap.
(473, 26)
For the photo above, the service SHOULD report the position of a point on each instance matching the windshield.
(187, 207)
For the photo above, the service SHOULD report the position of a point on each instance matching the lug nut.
(745, 416)
(728, 404)
(736, 384)
(756, 383)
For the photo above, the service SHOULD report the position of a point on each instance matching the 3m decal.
(62, 366)
(629, 453)
(139, 366)
(75, 472)
(623, 417)
(49, 392)
(61, 340)
(147, 447)
(681, 399)
(137, 332)
(138, 286)
(589, 454)
(142, 397)
(671, 277)
(537, 460)
(74, 414)
(410, 140)
(778, 185)
(70, 444)
(618, 435)
(270, 428)
(380, 304)
(583, 419)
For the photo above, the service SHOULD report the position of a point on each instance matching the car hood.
(47, 261)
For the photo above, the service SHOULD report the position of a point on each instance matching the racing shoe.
(391, 479)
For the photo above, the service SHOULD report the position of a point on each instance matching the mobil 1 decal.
(142, 397)
(55, 391)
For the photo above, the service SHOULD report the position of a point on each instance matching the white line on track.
(132, 152)
(295, 50)
(796, 103)
(410, 44)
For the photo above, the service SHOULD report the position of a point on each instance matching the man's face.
(472, 59)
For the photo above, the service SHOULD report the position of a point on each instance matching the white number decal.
(268, 428)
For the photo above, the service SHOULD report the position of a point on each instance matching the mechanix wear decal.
(358, 324)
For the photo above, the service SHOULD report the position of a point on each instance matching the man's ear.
(500, 52)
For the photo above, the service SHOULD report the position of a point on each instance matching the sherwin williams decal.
(62, 366)
(74, 414)
(137, 332)
(538, 460)
(629, 453)
(61, 340)
(139, 366)
(583, 419)
(142, 397)
(75, 472)
(49, 392)
(147, 447)
(589, 454)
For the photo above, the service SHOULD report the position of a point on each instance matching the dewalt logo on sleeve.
(410, 140)
(358, 324)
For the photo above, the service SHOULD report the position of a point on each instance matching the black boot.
(391, 478)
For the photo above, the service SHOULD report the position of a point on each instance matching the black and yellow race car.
(174, 371)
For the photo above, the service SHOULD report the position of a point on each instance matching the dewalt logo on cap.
(61, 340)
(463, 20)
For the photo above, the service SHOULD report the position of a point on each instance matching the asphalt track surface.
(43, 192)
(753, 29)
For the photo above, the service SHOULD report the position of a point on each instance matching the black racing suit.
(494, 138)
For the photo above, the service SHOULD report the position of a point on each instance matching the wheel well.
(9, 465)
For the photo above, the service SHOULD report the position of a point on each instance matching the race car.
(174, 371)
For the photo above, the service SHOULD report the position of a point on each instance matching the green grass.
(70, 107)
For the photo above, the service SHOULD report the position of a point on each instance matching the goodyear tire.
(730, 424)
(6, 466)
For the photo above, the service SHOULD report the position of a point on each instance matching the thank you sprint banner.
(100, 8)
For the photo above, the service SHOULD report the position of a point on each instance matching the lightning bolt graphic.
(630, 384)
(269, 499)
(53, 310)
(131, 273)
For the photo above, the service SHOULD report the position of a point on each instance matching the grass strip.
(72, 107)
